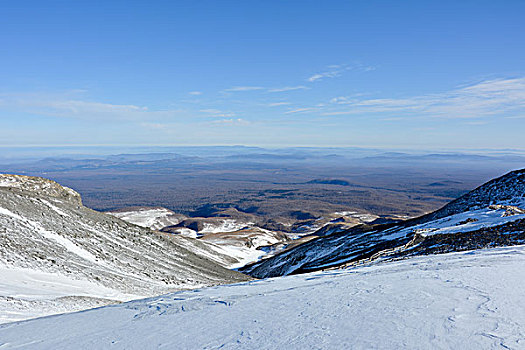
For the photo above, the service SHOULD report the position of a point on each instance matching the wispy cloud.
(488, 97)
(331, 71)
(264, 89)
(217, 113)
(275, 104)
(62, 105)
(336, 70)
(300, 110)
(288, 88)
(231, 121)
(477, 122)
(328, 74)
(210, 111)
(195, 93)
(243, 88)
(156, 126)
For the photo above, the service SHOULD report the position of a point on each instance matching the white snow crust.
(154, 218)
(28, 293)
(467, 300)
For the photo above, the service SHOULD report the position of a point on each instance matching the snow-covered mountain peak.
(38, 187)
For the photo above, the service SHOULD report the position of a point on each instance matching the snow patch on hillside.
(363, 217)
(227, 225)
(153, 218)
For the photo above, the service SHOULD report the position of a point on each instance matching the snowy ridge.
(468, 300)
(466, 221)
(38, 186)
(508, 189)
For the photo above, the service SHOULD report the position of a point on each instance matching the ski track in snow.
(467, 300)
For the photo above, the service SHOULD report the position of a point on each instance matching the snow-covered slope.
(468, 300)
(491, 215)
(199, 227)
(153, 218)
(246, 245)
(508, 189)
(226, 242)
(46, 231)
(29, 293)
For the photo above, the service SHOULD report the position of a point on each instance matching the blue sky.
(393, 74)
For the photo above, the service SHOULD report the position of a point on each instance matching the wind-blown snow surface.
(468, 300)
(28, 293)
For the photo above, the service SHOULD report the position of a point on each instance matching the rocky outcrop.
(44, 227)
(38, 187)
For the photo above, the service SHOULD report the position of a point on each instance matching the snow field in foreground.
(467, 300)
(26, 293)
